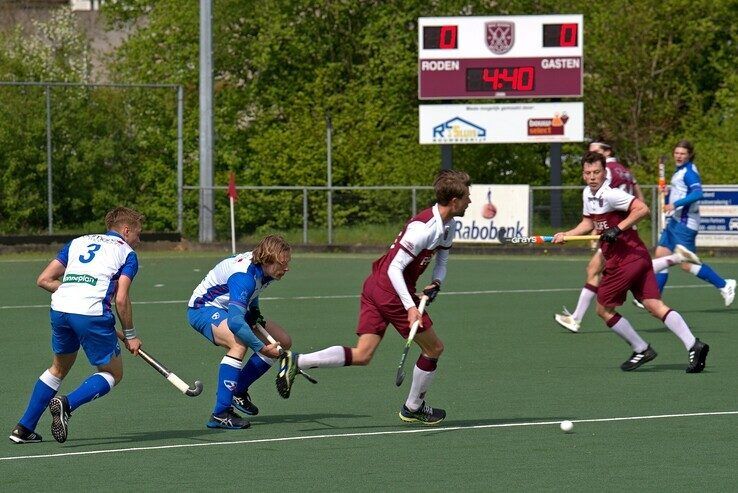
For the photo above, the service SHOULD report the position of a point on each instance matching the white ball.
(566, 426)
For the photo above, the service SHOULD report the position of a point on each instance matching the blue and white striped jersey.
(93, 265)
(685, 180)
(235, 280)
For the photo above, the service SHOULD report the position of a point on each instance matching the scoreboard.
(500, 57)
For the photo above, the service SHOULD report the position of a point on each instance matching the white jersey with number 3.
(93, 265)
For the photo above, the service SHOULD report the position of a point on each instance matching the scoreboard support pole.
(447, 156)
(555, 178)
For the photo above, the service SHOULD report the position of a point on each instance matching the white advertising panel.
(719, 216)
(494, 209)
(501, 123)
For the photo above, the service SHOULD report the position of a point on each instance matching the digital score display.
(560, 35)
(500, 57)
(440, 37)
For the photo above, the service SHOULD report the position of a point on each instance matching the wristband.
(130, 333)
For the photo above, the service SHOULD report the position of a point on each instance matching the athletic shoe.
(228, 420)
(686, 255)
(567, 321)
(243, 403)
(21, 434)
(287, 372)
(426, 415)
(60, 414)
(728, 291)
(638, 304)
(697, 357)
(637, 359)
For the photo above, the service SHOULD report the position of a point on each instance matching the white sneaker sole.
(687, 255)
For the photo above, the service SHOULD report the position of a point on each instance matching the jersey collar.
(115, 233)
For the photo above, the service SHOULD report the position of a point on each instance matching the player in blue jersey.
(685, 191)
(85, 276)
(224, 308)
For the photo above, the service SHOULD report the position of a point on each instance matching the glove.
(254, 316)
(432, 291)
(610, 235)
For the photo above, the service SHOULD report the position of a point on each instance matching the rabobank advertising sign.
(495, 210)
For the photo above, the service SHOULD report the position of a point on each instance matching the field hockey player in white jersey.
(224, 308)
(84, 278)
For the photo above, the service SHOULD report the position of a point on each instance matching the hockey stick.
(183, 387)
(272, 340)
(413, 330)
(662, 192)
(537, 240)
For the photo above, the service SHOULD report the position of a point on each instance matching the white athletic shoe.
(728, 291)
(638, 304)
(567, 321)
(686, 255)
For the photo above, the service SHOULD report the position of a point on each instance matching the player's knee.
(435, 350)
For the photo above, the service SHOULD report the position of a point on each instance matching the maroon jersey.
(607, 207)
(620, 176)
(422, 235)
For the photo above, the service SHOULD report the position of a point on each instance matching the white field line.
(365, 434)
(350, 296)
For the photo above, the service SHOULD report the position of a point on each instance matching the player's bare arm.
(124, 309)
(638, 210)
(582, 228)
(50, 278)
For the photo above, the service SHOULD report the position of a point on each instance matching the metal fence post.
(180, 152)
(415, 202)
(304, 216)
(654, 216)
(49, 196)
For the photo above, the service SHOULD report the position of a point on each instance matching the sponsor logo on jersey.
(80, 278)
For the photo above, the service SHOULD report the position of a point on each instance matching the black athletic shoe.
(228, 420)
(637, 359)
(243, 403)
(21, 434)
(60, 414)
(287, 372)
(426, 415)
(697, 357)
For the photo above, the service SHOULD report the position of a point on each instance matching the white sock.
(623, 328)
(585, 299)
(679, 327)
(663, 263)
(50, 380)
(325, 358)
(421, 381)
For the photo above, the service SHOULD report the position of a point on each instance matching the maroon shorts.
(636, 277)
(380, 308)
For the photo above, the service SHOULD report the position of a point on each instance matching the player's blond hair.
(123, 216)
(450, 184)
(271, 249)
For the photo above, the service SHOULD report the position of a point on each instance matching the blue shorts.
(675, 233)
(202, 320)
(96, 335)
